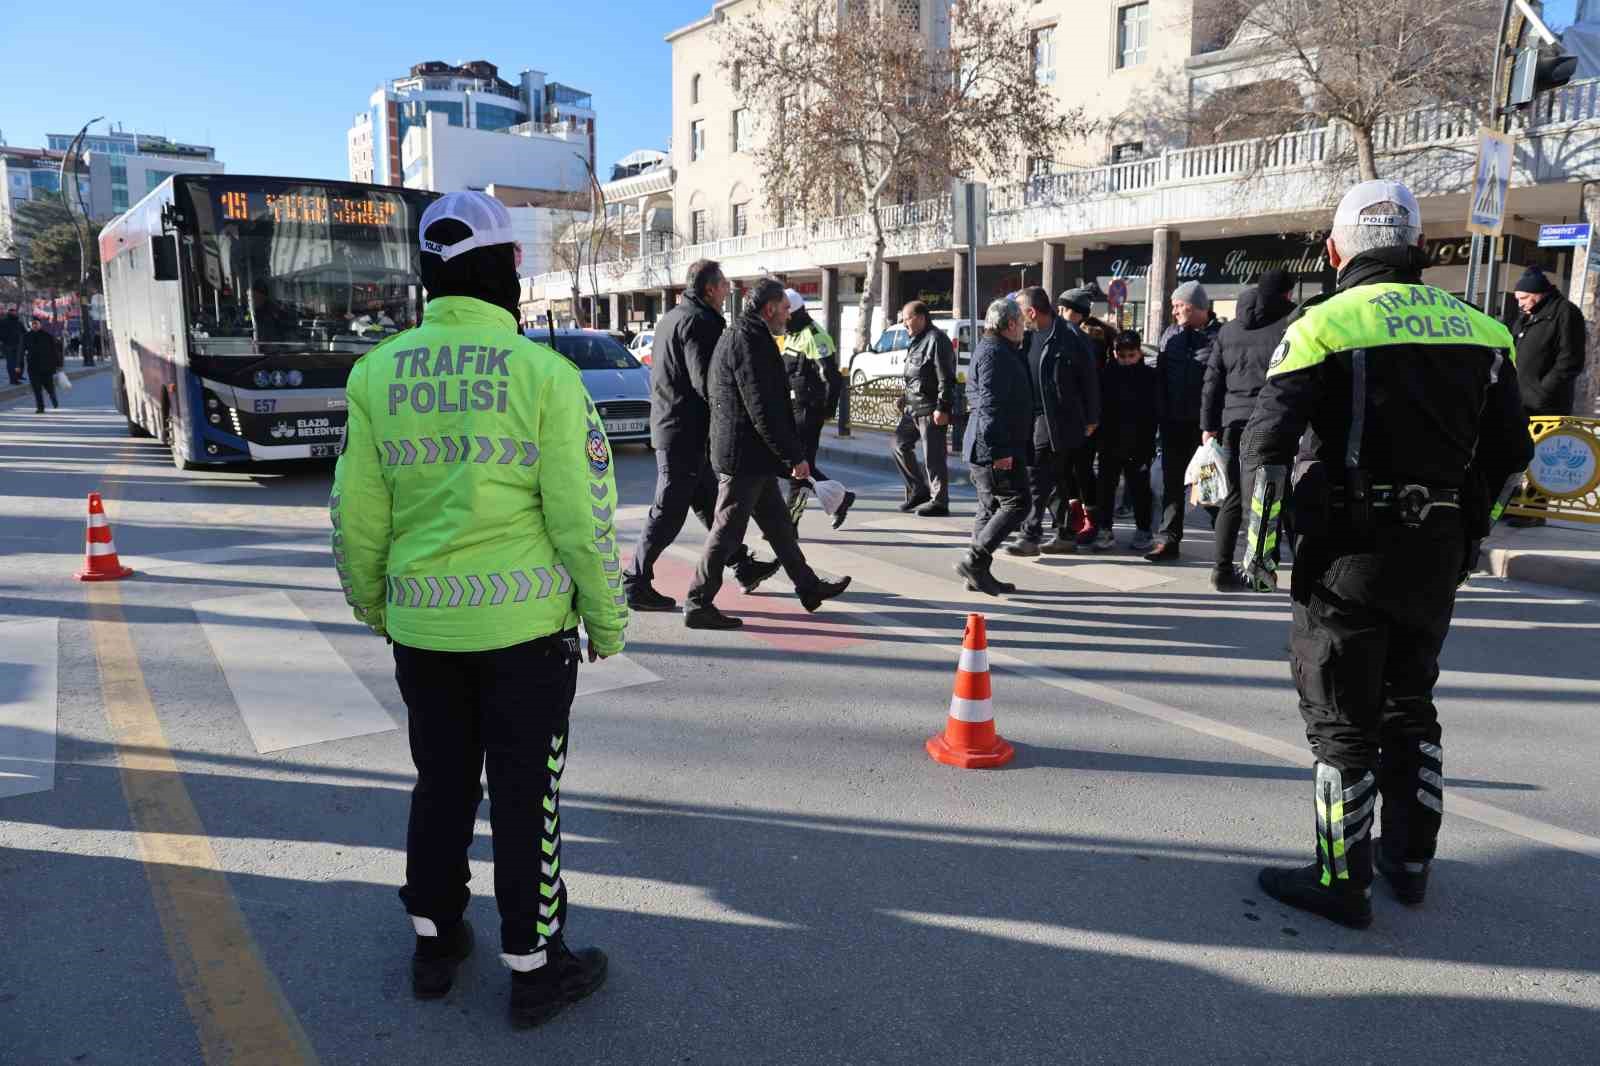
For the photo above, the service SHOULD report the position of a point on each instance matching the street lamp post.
(81, 224)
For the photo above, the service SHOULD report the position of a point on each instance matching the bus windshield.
(284, 267)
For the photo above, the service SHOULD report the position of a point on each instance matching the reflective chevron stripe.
(474, 590)
(550, 889)
(430, 450)
(1344, 818)
(1430, 777)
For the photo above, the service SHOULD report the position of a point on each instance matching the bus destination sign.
(313, 208)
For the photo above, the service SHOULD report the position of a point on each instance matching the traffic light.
(1538, 70)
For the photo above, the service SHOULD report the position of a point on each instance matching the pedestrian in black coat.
(998, 445)
(1130, 405)
(1066, 402)
(11, 332)
(754, 441)
(680, 430)
(43, 353)
(1551, 343)
(1181, 364)
(1234, 375)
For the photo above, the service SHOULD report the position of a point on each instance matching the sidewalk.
(1561, 554)
(14, 392)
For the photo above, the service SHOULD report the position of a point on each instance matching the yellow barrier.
(1563, 480)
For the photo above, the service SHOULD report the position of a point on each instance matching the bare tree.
(1357, 64)
(857, 106)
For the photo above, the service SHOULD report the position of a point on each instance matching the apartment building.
(1169, 186)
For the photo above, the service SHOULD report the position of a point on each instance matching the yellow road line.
(239, 1010)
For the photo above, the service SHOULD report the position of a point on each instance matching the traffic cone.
(969, 739)
(100, 562)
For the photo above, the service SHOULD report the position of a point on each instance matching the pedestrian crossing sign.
(1490, 179)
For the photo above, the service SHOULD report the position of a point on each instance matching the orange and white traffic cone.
(969, 739)
(100, 562)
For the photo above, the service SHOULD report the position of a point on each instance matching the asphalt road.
(204, 782)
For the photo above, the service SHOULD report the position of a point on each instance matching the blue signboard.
(1571, 235)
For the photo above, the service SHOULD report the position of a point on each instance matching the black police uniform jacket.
(1440, 413)
(752, 423)
(1238, 365)
(930, 373)
(680, 354)
(1550, 351)
(1000, 397)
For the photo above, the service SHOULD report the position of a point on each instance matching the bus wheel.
(172, 442)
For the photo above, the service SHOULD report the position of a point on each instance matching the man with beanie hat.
(1550, 346)
(1181, 368)
(473, 515)
(1234, 375)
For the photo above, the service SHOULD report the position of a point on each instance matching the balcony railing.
(1021, 210)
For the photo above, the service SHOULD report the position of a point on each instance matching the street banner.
(1491, 177)
(1567, 235)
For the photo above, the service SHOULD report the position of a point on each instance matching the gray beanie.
(1192, 292)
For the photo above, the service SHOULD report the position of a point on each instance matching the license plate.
(626, 425)
(324, 451)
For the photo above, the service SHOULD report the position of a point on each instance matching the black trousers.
(741, 497)
(14, 366)
(935, 481)
(506, 711)
(684, 482)
(1136, 472)
(1229, 514)
(42, 384)
(809, 420)
(1178, 443)
(1370, 617)
(1003, 503)
(1050, 485)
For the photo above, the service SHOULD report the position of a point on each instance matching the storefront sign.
(1240, 261)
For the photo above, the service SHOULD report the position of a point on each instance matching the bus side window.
(164, 257)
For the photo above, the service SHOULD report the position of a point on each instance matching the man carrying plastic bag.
(834, 497)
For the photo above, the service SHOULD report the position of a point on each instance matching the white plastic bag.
(1207, 476)
(62, 382)
(830, 494)
(1157, 485)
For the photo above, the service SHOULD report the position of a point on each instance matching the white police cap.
(1369, 193)
(481, 213)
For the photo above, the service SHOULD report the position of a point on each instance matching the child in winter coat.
(1130, 411)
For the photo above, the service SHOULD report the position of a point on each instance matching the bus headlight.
(216, 418)
(296, 379)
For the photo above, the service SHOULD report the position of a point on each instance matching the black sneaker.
(822, 592)
(915, 502)
(568, 976)
(844, 509)
(709, 618)
(753, 573)
(1303, 889)
(434, 962)
(646, 598)
(934, 510)
(1409, 880)
(1229, 580)
(979, 579)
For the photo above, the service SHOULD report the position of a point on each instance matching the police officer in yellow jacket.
(1412, 400)
(473, 524)
(812, 361)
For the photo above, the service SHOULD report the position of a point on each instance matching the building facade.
(542, 122)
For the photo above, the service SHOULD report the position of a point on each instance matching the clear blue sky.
(274, 86)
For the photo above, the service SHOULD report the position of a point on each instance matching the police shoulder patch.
(1279, 354)
(599, 452)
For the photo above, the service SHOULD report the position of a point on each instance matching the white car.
(643, 345)
(887, 356)
(618, 384)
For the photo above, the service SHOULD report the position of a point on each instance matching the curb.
(872, 448)
(1543, 568)
(15, 392)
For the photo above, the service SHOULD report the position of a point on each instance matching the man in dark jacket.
(753, 443)
(11, 346)
(1235, 374)
(1075, 307)
(680, 422)
(930, 397)
(43, 353)
(1181, 365)
(1130, 411)
(998, 445)
(1550, 346)
(1066, 409)
(812, 361)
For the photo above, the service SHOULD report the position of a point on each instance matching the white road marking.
(28, 653)
(230, 554)
(953, 595)
(292, 688)
(611, 674)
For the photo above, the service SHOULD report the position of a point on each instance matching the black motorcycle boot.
(1411, 780)
(566, 977)
(434, 962)
(1338, 885)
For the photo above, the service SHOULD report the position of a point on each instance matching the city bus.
(237, 306)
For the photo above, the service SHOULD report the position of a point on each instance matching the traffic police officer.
(812, 360)
(473, 524)
(1412, 400)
